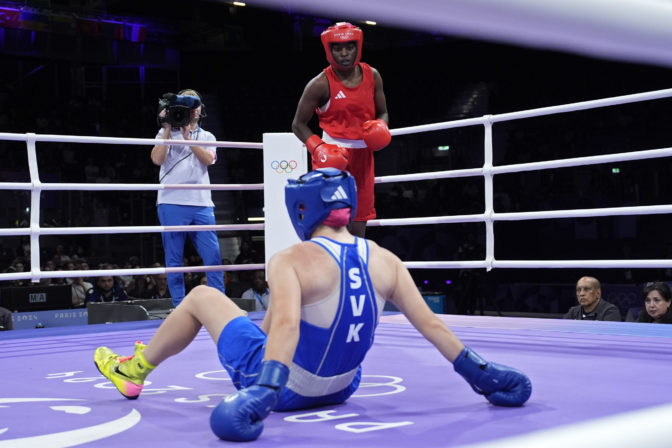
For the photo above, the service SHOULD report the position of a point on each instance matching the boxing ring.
(594, 383)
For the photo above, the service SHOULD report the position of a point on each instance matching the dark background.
(251, 65)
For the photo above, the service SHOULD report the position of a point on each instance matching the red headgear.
(339, 33)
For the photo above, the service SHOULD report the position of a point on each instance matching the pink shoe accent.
(132, 389)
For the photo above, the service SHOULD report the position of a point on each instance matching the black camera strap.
(198, 131)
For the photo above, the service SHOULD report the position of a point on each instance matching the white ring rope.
(489, 216)
(120, 140)
(138, 271)
(127, 187)
(133, 229)
(510, 116)
(531, 166)
(525, 216)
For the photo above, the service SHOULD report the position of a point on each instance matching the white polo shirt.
(183, 167)
(261, 301)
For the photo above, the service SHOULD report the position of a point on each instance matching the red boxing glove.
(313, 142)
(376, 134)
(330, 156)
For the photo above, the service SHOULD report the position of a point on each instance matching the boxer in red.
(349, 101)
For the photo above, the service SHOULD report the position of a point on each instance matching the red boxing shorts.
(360, 165)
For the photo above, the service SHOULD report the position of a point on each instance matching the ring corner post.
(284, 158)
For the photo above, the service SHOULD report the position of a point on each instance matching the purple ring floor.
(51, 394)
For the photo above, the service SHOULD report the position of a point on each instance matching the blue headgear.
(311, 197)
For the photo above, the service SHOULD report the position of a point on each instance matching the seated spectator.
(106, 290)
(234, 287)
(61, 257)
(192, 280)
(79, 289)
(657, 300)
(139, 287)
(45, 281)
(6, 323)
(258, 292)
(17, 266)
(591, 305)
(128, 280)
(84, 266)
(160, 288)
(243, 284)
(231, 284)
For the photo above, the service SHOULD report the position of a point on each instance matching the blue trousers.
(206, 244)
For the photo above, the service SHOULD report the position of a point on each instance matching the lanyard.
(259, 298)
(197, 132)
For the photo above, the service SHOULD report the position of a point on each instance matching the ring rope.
(489, 216)
(126, 187)
(54, 138)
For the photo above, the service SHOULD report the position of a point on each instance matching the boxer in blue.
(327, 293)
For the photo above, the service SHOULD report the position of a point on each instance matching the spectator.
(244, 281)
(45, 281)
(116, 279)
(127, 280)
(106, 290)
(6, 323)
(591, 305)
(17, 266)
(61, 258)
(79, 291)
(234, 287)
(84, 266)
(187, 164)
(258, 292)
(139, 287)
(160, 289)
(657, 300)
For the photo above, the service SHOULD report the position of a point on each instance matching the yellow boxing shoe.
(126, 373)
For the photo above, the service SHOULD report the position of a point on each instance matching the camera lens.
(178, 116)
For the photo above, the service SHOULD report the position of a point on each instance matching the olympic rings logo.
(392, 385)
(284, 166)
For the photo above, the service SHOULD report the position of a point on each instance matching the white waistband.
(308, 384)
(343, 142)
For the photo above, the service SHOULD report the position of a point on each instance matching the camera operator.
(179, 116)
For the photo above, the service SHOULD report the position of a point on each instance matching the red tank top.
(348, 107)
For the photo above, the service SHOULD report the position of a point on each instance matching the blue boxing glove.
(239, 417)
(501, 385)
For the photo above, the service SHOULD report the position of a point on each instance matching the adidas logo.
(339, 194)
(340, 95)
